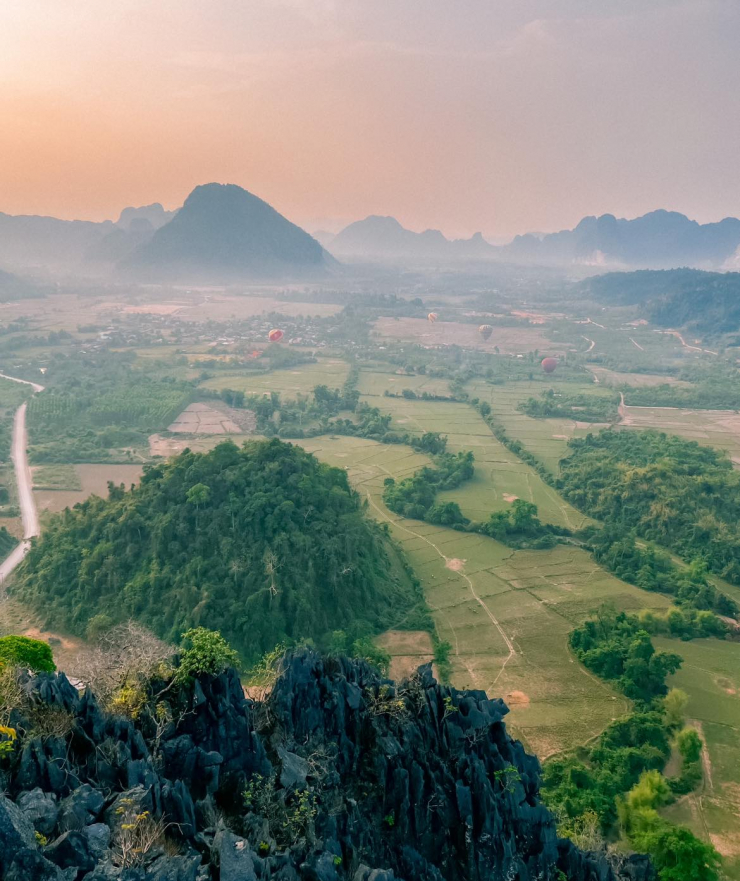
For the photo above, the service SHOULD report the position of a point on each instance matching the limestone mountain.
(658, 240)
(383, 238)
(223, 234)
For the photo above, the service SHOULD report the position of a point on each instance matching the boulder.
(41, 809)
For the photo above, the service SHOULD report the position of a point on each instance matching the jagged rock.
(293, 770)
(71, 849)
(16, 832)
(81, 808)
(41, 809)
(30, 865)
(235, 858)
(409, 782)
(98, 839)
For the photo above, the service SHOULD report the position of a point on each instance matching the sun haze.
(486, 115)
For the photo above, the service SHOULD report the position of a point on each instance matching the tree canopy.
(264, 544)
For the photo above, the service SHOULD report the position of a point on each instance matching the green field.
(288, 383)
(506, 613)
(711, 677)
(500, 476)
(376, 382)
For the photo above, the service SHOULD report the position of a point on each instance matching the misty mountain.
(151, 217)
(34, 242)
(383, 238)
(14, 288)
(223, 233)
(705, 302)
(659, 240)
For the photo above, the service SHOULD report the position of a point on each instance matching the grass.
(56, 477)
(710, 675)
(288, 383)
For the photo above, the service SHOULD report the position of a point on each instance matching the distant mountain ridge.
(224, 233)
(658, 240)
(378, 237)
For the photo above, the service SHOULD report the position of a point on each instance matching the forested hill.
(707, 302)
(262, 543)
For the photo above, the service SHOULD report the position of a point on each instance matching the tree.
(207, 653)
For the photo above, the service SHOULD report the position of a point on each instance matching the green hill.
(262, 543)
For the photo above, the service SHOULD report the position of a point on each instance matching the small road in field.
(24, 483)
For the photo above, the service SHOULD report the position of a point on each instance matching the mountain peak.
(224, 233)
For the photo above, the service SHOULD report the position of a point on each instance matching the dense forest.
(671, 491)
(263, 543)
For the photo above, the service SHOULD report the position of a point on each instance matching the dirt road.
(24, 483)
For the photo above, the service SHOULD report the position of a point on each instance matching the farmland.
(711, 677)
(506, 613)
(331, 372)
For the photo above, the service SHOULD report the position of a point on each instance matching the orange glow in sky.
(486, 115)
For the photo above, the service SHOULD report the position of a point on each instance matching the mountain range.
(224, 233)
(658, 240)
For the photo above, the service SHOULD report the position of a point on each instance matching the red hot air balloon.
(485, 330)
(549, 364)
(275, 335)
(432, 317)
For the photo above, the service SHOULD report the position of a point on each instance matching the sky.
(503, 116)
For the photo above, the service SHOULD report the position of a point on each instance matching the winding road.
(24, 483)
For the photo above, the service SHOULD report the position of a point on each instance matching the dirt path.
(471, 588)
(683, 342)
(24, 483)
(593, 343)
(636, 344)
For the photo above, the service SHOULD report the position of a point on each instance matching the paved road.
(24, 483)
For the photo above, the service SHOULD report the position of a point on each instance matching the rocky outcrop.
(338, 775)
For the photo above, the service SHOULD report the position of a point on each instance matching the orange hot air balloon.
(485, 330)
(549, 364)
(432, 317)
(275, 335)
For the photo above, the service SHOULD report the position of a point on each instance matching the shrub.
(31, 654)
(209, 653)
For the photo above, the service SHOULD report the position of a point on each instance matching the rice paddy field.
(507, 614)
(710, 675)
(56, 487)
(288, 383)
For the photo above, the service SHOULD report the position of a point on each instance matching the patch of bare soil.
(409, 649)
(455, 564)
(516, 699)
(508, 497)
(201, 418)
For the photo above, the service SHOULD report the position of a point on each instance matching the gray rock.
(293, 769)
(30, 865)
(72, 849)
(81, 808)
(98, 839)
(235, 858)
(41, 809)
(16, 832)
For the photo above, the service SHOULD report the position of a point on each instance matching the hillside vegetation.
(263, 543)
(671, 491)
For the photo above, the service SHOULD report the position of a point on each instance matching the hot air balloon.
(549, 364)
(432, 317)
(485, 330)
(275, 335)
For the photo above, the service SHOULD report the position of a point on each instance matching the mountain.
(263, 543)
(147, 216)
(383, 238)
(32, 242)
(706, 302)
(223, 233)
(337, 775)
(659, 240)
(14, 288)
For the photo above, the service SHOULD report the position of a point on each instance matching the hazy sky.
(464, 115)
